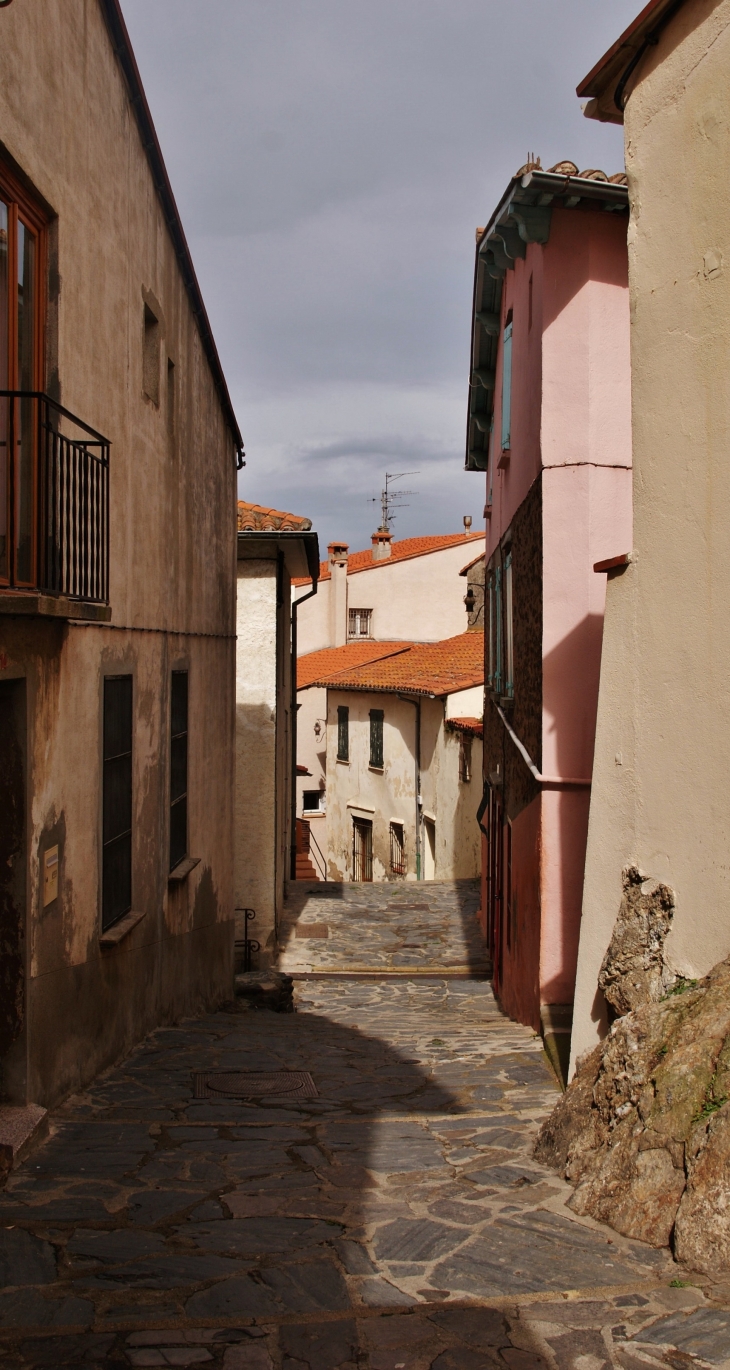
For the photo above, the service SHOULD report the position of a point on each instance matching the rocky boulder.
(643, 1130)
(634, 971)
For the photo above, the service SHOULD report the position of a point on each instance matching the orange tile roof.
(319, 666)
(425, 668)
(399, 551)
(466, 725)
(256, 518)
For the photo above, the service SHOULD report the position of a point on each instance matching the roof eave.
(124, 53)
(603, 80)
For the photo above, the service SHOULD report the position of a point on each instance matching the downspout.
(650, 41)
(417, 706)
(293, 711)
(550, 781)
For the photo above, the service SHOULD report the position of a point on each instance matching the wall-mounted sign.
(50, 875)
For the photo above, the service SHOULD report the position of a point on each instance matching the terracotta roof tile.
(400, 551)
(475, 726)
(330, 661)
(469, 564)
(256, 518)
(427, 668)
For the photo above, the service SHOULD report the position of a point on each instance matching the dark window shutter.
(178, 767)
(116, 880)
(376, 737)
(343, 733)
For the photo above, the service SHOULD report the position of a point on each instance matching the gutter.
(124, 54)
(549, 782)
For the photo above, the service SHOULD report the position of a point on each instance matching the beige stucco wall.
(311, 748)
(660, 789)
(357, 790)
(419, 599)
(69, 127)
(256, 700)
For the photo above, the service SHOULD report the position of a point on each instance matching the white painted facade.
(447, 814)
(420, 598)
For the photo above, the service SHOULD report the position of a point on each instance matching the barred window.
(359, 621)
(397, 849)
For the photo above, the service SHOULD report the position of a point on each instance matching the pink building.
(550, 424)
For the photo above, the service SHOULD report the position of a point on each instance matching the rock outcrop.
(634, 971)
(643, 1131)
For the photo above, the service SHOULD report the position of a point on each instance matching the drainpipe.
(293, 712)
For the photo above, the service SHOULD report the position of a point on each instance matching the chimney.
(381, 544)
(338, 593)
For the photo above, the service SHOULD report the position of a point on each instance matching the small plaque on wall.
(50, 875)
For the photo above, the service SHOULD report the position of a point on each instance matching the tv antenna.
(390, 500)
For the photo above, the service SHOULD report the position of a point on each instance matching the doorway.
(429, 849)
(362, 849)
(12, 890)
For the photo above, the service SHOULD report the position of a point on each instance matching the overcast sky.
(331, 160)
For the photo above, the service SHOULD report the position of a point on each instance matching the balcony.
(54, 510)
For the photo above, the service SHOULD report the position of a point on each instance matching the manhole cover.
(253, 1084)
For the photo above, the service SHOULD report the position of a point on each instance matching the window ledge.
(342, 762)
(37, 605)
(379, 770)
(504, 458)
(116, 934)
(182, 870)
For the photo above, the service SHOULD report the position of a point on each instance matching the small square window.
(312, 801)
(359, 623)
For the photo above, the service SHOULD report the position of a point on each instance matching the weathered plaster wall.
(661, 798)
(69, 127)
(311, 749)
(419, 599)
(256, 789)
(355, 789)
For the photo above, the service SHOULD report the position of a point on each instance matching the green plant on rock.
(680, 986)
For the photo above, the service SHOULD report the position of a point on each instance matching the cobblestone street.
(392, 1220)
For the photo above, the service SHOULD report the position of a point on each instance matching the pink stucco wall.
(571, 421)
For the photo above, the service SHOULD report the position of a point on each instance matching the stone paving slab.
(397, 1221)
(398, 927)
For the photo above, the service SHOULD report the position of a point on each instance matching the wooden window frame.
(22, 207)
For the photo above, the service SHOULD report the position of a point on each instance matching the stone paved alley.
(394, 1220)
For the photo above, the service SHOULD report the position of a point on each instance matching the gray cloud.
(331, 161)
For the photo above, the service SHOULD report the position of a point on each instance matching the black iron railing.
(54, 499)
(246, 947)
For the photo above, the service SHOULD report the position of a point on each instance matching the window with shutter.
(178, 768)
(507, 387)
(116, 880)
(343, 733)
(376, 738)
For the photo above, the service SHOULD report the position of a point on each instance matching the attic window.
(359, 623)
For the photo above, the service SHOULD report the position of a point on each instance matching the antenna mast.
(392, 500)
